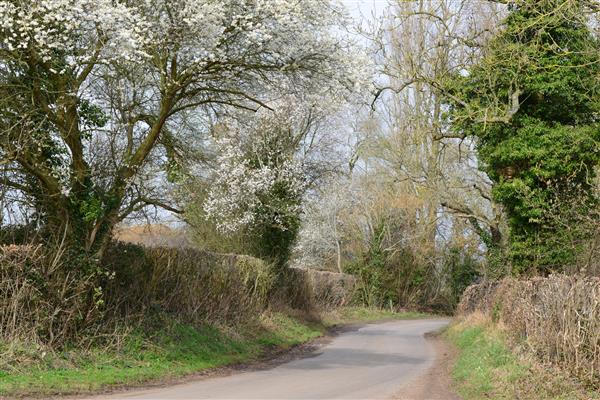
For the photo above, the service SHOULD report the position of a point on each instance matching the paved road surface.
(372, 362)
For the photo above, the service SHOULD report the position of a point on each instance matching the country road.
(372, 362)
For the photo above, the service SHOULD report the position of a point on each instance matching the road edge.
(436, 383)
(271, 358)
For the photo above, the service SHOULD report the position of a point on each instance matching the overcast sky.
(364, 7)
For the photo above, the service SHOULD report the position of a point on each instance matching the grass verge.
(349, 315)
(166, 353)
(487, 368)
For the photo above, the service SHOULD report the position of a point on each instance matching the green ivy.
(91, 209)
(545, 153)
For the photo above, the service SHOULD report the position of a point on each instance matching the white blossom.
(242, 188)
(75, 27)
(148, 69)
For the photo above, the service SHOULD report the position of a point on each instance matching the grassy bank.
(169, 352)
(487, 368)
(349, 315)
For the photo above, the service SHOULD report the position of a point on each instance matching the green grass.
(173, 351)
(487, 368)
(348, 315)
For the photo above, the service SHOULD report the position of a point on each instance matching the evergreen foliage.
(532, 102)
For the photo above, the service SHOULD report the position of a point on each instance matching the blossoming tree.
(98, 96)
(265, 164)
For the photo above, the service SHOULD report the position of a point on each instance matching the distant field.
(152, 235)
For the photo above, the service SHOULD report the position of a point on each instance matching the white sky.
(365, 8)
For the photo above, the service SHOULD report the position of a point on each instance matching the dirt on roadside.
(436, 383)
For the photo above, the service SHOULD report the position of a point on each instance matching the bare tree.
(422, 45)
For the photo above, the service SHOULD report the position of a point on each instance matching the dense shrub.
(403, 278)
(460, 272)
(41, 301)
(556, 318)
(44, 302)
(195, 286)
(389, 280)
(313, 289)
(386, 277)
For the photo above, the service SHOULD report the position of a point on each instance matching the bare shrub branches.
(556, 318)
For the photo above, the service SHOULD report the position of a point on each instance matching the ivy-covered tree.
(533, 103)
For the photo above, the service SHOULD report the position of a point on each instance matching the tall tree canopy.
(98, 96)
(533, 103)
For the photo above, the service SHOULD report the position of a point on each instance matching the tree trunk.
(339, 255)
